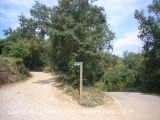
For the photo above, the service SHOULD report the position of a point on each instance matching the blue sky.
(120, 16)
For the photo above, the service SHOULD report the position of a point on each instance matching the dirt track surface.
(144, 107)
(38, 98)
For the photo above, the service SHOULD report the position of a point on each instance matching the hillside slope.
(12, 70)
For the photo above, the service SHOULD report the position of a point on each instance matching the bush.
(21, 68)
(92, 97)
(10, 70)
(20, 50)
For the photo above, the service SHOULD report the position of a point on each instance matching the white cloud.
(11, 9)
(18, 3)
(9, 18)
(129, 42)
(120, 15)
(118, 11)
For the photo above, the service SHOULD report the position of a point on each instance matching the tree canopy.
(149, 33)
(79, 32)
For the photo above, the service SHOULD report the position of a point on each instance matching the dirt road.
(144, 107)
(38, 99)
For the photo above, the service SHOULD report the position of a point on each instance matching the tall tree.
(149, 33)
(31, 31)
(79, 32)
(41, 16)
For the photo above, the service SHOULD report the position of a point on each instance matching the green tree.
(134, 67)
(123, 73)
(27, 27)
(79, 32)
(20, 50)
(41, 16)
(31, 31)
(149, 29)
(1, 45)
(113, 78)
(34, 60)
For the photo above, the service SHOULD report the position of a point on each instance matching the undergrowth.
(91, 96)
(12, 70)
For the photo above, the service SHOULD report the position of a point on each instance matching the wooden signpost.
(81, 76)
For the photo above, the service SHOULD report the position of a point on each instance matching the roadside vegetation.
(92, 96)
(53, 38)
(12, 70)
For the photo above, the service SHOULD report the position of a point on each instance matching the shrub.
(11, 70)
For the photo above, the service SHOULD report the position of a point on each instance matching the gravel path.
(38, 99)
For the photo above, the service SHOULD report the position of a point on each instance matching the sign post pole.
(81, 77)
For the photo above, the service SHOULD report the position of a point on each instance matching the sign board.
(77, 63)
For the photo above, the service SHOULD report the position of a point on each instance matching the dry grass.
(91, 96)
(9, 71)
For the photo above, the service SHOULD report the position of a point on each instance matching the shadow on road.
(47, 81)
